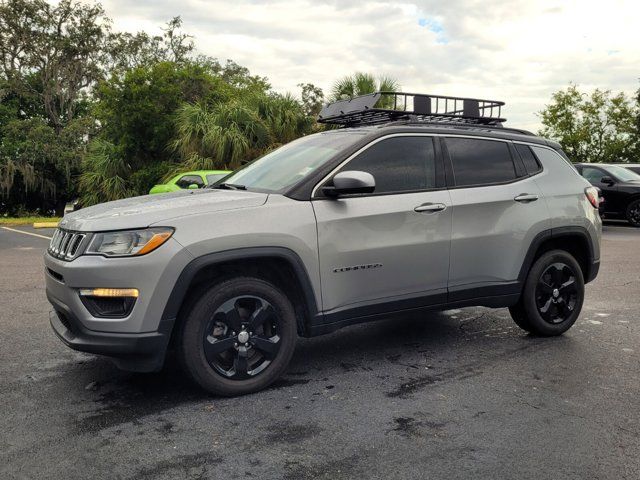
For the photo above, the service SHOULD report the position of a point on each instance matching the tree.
(52, 54)
(41, 162)
(226, 134)
(637, 129)
(596, 127)
(361, 84)
(105, 174)
(312, 99)
(136, 110)
(128, 50)
(49, 57)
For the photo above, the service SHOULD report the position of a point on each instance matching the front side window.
(398, 164)
(187, 180)
(480, 162)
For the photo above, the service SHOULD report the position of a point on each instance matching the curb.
(45, 225)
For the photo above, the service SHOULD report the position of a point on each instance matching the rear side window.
(530, 161)
(398, 164)
(480, 162)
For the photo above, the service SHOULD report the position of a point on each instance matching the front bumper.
(137, 341)
(143, 352)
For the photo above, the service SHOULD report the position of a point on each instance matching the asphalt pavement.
(462, 394)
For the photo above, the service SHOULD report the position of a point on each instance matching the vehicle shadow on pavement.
(407, 344)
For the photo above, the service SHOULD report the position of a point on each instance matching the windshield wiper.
(229, 186)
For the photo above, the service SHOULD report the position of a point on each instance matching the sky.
(517, 51)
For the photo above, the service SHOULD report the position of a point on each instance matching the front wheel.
(238, 337)
(633, 213)
(552, 297)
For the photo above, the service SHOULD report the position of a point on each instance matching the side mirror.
(607, 180)
(193, 186)
(350, 181)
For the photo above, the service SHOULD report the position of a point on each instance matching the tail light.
(592, 195)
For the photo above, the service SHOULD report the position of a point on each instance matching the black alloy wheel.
(556, 293)
(237, 336)
(242, 338)
(552, 295)
(633, 213)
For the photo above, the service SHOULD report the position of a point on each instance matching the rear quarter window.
(531, 164)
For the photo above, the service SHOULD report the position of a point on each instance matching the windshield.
(292, 162)
(622, 173)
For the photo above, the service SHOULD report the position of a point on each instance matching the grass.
(9, 221)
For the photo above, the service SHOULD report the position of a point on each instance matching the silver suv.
(407, 206)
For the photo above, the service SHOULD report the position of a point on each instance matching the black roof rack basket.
(383, 107)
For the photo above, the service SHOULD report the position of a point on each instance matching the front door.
(388, 250)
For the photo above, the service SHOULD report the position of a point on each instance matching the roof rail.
(383, 107)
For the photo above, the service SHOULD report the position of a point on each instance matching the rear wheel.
(238, 337)
(552, 297)
(633, 213)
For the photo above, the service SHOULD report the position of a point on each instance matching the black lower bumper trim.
(142, 352)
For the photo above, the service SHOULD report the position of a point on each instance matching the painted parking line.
(27, 233)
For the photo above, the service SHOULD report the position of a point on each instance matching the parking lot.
(458, 394)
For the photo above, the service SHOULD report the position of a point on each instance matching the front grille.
(65, 245)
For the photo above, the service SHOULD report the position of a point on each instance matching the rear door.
(387, 250)
(497, 211)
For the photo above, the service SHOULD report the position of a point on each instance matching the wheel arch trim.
(555, 233)
(189, 272)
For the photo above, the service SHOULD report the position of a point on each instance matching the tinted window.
(531, 164)
(480, 162)
(398, 164)
(187, 180)
(594, 175)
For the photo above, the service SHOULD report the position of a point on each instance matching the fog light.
(109, 302)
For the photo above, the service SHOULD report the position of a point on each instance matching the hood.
(141, 212)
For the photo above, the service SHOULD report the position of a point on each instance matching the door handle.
(526, 198)
(430, 207)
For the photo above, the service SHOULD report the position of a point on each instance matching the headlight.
(128, 243)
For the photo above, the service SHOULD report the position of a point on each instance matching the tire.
(552, 297)
(633, 213)
(218, 325)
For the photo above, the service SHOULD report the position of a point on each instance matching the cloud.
(517, 51)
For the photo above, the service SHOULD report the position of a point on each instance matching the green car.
(191, 180)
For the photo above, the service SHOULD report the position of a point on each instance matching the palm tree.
(226, 134)
(105, 174)
(361, 84)
(218, 136)
(284, 117)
